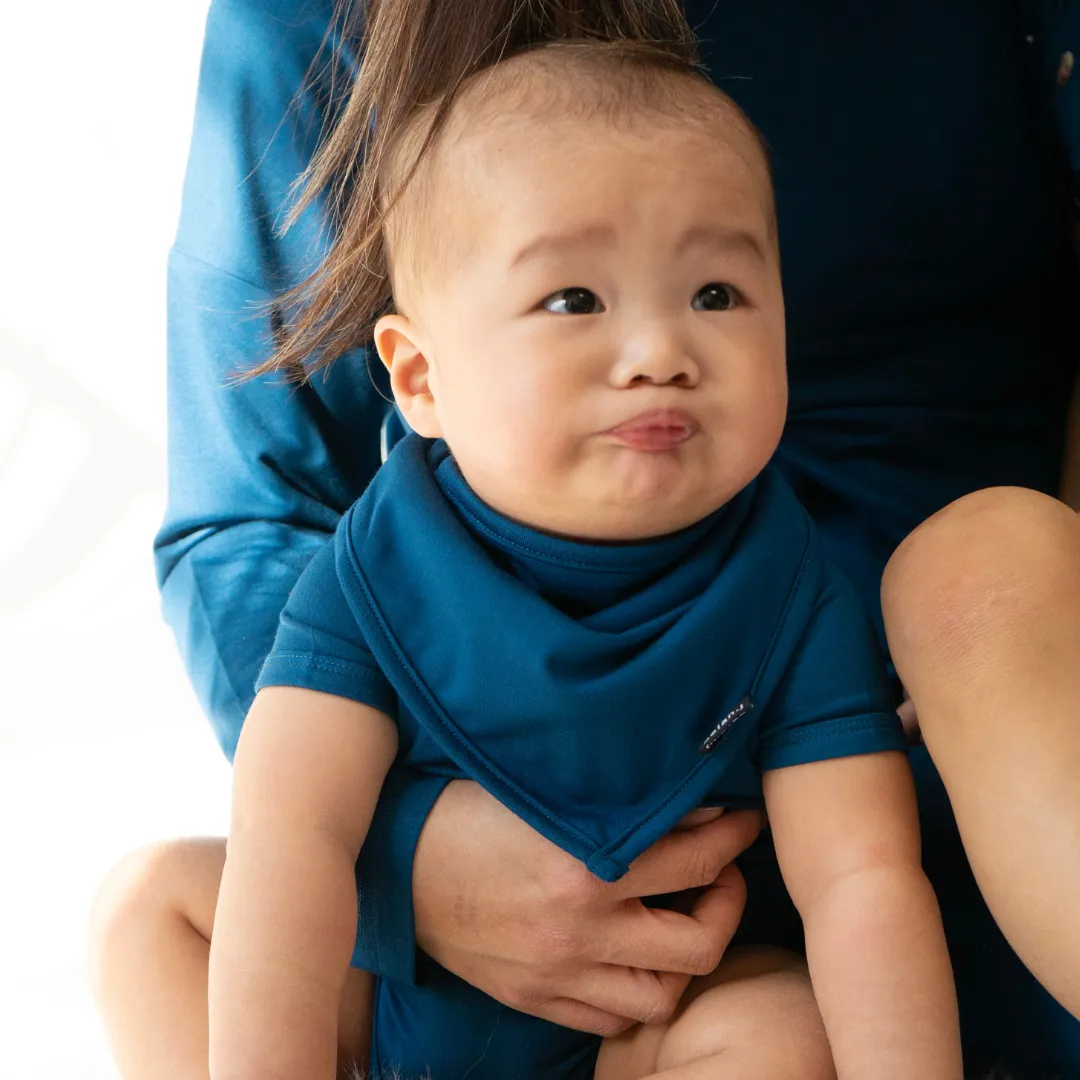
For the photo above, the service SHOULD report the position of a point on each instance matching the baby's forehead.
(536, 131)
(561, 87)
(560, 168)
(523, 141)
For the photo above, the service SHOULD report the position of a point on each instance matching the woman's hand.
(909, 719)
(517, 917)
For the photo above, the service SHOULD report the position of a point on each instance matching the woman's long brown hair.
(417, 53)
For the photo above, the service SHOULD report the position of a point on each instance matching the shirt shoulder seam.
(178, 251)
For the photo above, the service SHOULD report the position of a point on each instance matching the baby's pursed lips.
(655, 429)
(657, 419)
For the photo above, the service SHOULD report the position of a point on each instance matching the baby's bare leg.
(754, 1018)
(149, 956)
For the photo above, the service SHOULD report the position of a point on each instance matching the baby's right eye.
(573, 301)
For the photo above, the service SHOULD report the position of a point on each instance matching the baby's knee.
(760, 1007)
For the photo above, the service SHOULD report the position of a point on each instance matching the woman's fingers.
(517, 917)
(909, 719)
(655, 952)
(660, 940)
(647, 997)
(690, 858)
(581, 1017)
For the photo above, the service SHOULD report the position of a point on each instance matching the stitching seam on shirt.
(790, 604)
(714, 757)
(617, 844)
(824, 730)
(327, 663)
(220, 270)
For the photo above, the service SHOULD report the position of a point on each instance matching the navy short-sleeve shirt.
(601, 691)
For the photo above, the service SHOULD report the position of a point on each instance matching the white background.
(102, 745)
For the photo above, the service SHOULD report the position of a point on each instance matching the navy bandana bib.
(577, 724)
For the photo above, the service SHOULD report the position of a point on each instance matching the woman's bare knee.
(996, 561)
(982, 611)
(150, 932)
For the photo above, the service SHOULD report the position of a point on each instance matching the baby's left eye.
(715, 297)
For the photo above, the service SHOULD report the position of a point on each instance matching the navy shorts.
(452, 1031)
(449, 1030)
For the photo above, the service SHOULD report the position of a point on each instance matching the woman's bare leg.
(754, 1018)
(149, 956)
(982, 611)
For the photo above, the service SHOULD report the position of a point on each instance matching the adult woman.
(932, 298)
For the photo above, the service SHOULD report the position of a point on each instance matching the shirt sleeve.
(260, 472)
(319, 645)
(835, 699)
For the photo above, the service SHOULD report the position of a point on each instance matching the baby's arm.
(308, 770)
(847, 838)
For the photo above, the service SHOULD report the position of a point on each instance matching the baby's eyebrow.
(560, 243)
(715, 237)
(722, 239)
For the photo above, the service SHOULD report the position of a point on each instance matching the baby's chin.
(637, 516)
(615, 505)
(633, 496)
(620, 522)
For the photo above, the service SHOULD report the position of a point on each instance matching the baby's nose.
(656, 359)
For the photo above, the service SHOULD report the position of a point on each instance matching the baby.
(577, 582)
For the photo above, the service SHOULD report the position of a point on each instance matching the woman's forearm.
(882, 977)
(283, 935)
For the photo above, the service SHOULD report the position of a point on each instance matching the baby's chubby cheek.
(533, 419)
(512, 448)
(754, 419)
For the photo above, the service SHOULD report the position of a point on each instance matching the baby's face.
(604, 338)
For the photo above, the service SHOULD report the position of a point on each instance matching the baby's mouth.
(656, 430)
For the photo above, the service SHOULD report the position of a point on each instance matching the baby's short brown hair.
(417, 56)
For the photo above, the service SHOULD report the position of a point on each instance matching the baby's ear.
(403, 351)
